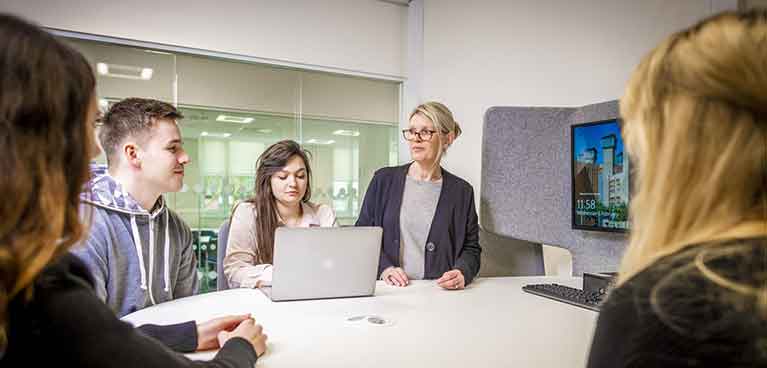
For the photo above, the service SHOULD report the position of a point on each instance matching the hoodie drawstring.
(151, 259)
(139, 253)
(166, 265)
(147, 285)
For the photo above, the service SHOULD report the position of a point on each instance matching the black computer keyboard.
(577, 297)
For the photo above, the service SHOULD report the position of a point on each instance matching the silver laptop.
(324, 262)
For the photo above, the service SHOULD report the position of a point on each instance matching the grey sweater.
(137, 258)
(419, 203)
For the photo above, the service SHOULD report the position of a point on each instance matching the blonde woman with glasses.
(429, 220)
(692, 290)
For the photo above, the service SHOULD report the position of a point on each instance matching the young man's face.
(91, 118)
(163, 158)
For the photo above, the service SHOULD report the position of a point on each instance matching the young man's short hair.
(132, 117)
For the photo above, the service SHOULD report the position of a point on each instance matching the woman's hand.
(248, 330)
(395, 276)
(207, 332)
(452, 280)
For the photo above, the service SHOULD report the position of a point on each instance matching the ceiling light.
(347, 133)
(158, 52)
(124, 71)
(146, 73)
(102, 68)
(215, 135)
(234, 119)
(265, 131)
(320, 141)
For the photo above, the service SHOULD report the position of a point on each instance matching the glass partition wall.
(234, 110)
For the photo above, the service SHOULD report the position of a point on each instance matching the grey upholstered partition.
(526, 181)
(504, 256)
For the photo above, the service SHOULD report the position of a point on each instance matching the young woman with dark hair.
(282, 194)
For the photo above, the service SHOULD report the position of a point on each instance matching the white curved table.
(493, 323)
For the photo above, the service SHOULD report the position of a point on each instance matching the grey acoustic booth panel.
(526, 181)
(504, 256)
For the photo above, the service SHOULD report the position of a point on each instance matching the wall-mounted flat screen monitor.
(600, 177)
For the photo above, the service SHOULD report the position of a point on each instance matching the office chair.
(223, 237)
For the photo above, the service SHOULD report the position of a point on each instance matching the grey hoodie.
(137, 258)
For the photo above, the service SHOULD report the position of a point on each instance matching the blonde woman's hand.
(452, 280)
(395, 276)
(248, 330)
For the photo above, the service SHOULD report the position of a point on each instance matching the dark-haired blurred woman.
(49, 313)
(282, 194)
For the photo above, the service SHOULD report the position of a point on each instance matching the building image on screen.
(600, 175)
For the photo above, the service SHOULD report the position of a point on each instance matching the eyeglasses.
(423, 135)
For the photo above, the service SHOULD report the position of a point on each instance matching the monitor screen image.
(600, 177)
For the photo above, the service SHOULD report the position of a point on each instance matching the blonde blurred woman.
(692, 290)
(430, 227)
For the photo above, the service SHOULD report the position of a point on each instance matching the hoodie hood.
(104, 191)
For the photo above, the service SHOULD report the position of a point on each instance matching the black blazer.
(453, 240)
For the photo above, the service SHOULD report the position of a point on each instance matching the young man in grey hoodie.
(138, 250)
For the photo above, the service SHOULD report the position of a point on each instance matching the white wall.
(479, 54)
(472, 55)
(359, 35)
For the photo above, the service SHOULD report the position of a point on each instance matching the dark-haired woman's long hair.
(274, 159)
(46, 89)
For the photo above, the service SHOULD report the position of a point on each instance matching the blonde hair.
(443, 121)
(695, 122)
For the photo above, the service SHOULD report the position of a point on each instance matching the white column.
(412, 87)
